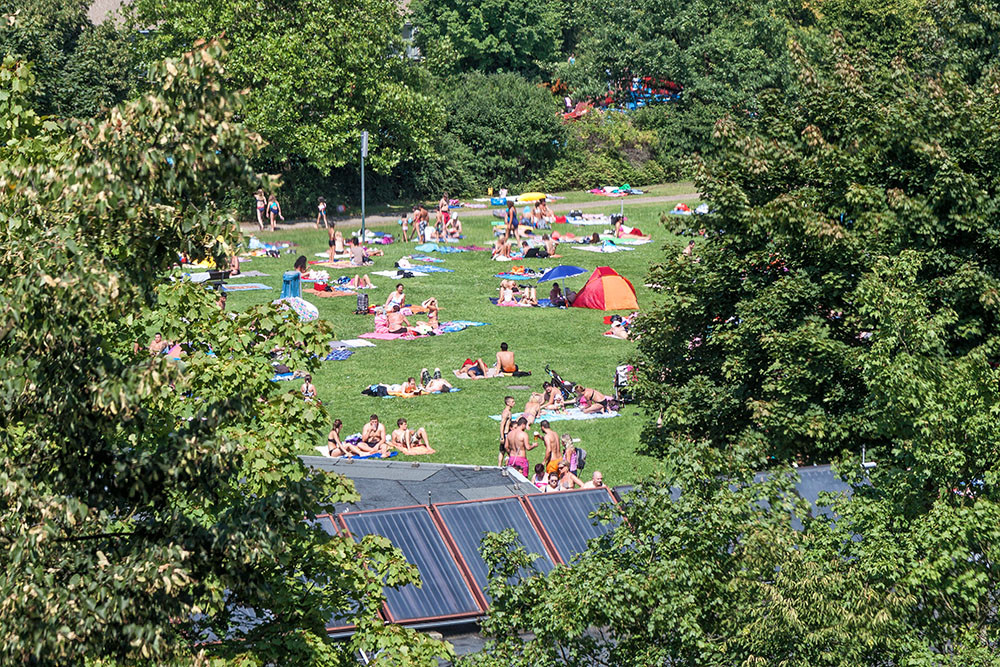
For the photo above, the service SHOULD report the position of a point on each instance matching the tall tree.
(79, 68)
(491, 36)
(148, 505)
(316, 74)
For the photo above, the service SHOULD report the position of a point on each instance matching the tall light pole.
(364, 154)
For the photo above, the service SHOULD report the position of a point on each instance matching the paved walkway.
(381, 220)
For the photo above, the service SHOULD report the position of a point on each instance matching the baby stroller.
(565, 387)
(624, 375)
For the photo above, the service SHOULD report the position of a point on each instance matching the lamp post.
(364, 154)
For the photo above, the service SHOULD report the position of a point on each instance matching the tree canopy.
(316, 74)
(149, 505)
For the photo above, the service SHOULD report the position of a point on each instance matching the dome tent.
(606, 290)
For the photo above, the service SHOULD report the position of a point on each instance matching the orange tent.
(606, 290)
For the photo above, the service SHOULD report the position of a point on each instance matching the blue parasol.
(561, 271)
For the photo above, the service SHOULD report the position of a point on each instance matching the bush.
(604, 148)
(502, 131)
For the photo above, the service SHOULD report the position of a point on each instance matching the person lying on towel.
(476, 369)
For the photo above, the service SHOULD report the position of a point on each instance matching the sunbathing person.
(618, 330)
(505, 360)
(234, 265)
(397, 322)
(544, 213)
(357, 253)
(596, 481)
(552, 397)
(397, 297)
(505, 426)
(532, 408)
(410, 387)
(596, 401)
(431, 305)
(360, 282)
(158, 345)
(507, 291)
(553, 485)
(437, 385)
(476, 369)
(373, 437)
(335, 447)
(338, 242)
(556, 297)
(501, 248)
(530, 297)
(403, 438)
(567, 480)
(550, 244)
(308, 389)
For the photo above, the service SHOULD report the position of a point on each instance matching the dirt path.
(381, 220)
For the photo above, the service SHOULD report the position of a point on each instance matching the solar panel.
(565, 518)
(816, 479)
(468, 522)
(445, 594)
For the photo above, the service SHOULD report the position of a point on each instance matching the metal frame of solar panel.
(464, 522)
(563, 519)
(448, 592)
(337, 625)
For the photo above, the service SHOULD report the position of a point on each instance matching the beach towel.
(351, 342)
(390, 336)
(425, 258)
(395, 274)
(399, 394)
(338, 355)
(334, 291)
(542, 303)
(339, 264)
(323, 451)
(592, 220)
(250, 274)
(464, 324)
(573, 414)
(244, 287)
(281, 377)
(339, 255)
(519, 276)
(433, 269)
(601, 248)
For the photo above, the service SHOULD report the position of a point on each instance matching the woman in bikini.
(273, 210)
(321, 214)
(261, 207)
(596, 401)
(338, 243)
(567, 480)
(431, 305)
(532, 408)
(308, 389)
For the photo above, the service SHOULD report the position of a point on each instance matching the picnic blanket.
(395, 274)
(434, 269)
(458, 325)
(351, 342)
(573, 414)
(250, 274)
(244, 287)
(338, 355)
(391, 336)
(339, 255)
(425, 258)
(437, 247)
(589, 220)
(339, 264)
(462, 376)
(323, 451)
(392, 392)
(542, 303)
(600, 248)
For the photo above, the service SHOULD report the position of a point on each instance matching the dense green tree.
(491, 36)
(502, 131)
(79, 68)
(148, 505)
(317, 73)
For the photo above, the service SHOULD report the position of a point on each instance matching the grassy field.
(460, 429)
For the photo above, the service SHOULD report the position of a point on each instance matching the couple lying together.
(473, 370)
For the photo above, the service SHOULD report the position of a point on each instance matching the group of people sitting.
(360, 255)
(504, 248)
(392, 318)
(373, 440)
(537, 216)
(409, 388)
(513, 294)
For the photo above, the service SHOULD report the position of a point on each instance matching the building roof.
(387, 483)
(100, 9)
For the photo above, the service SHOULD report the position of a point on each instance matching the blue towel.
(338, 355)
(278, 377)
(542, 303)
(433, 269)
(517, 276)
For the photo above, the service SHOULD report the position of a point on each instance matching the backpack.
(581, 458)
(362, 303)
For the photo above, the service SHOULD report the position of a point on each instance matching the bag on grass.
(362, 302)
(581, 458)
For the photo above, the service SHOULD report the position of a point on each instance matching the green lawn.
(458, 423)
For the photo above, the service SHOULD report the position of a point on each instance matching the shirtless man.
(596, 401)
(474, 370)
(505, 426)
(157, 345)
(505, 359)
(397, 322)
(437, 384)
(553, 450)
(596, 481)
(532, 408)
(518, 447)
(550, 244)
(403, 438)
(373, 436)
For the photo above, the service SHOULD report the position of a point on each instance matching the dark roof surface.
(385, 484)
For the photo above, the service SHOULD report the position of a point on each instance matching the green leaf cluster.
(148, 507)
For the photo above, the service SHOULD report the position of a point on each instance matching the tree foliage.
(79, 68)
(491, 36)
(149, 505)
(316, 74)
